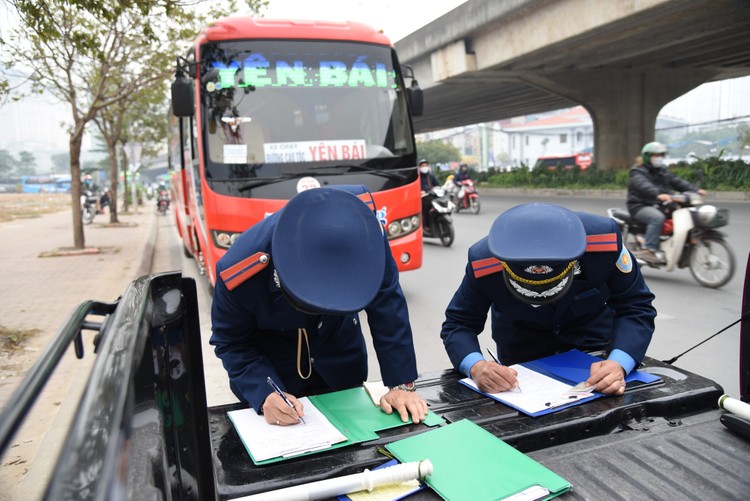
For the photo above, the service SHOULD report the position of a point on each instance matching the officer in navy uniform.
(286, 305)
(554, 280)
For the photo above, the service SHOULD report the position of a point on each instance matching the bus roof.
(244, 27)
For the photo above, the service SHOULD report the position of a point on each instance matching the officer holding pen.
(553, 280)
(286, 303)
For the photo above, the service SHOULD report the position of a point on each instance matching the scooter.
(467, 197)
(88, 207)
(689, 238)
(440, 223)
(162, 202)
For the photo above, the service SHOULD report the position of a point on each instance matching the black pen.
(498, 362)
(281, 394)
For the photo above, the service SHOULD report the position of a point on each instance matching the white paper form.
(538, 393)
(267, 441)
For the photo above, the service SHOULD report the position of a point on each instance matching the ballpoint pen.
(497, 361)
(281, 394)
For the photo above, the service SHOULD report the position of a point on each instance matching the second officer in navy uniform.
(553, 280)
(286, 305)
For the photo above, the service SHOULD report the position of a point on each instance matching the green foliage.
(710, 174)
(7, 163)
(437, 152)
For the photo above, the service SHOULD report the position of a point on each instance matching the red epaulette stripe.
(240, 272)
(606, 242)
(484, 267)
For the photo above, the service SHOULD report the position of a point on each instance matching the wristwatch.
(405, 387)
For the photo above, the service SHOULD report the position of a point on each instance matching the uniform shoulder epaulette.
(484, 267)
(604, 242)
(245, 269)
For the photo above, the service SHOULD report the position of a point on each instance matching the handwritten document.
(267, 441)
(538, 392)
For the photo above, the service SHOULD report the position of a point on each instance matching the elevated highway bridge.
(623, 60)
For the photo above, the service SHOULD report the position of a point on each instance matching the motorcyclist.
(461, 176)
(650, 185)
(162, 196)
(427, 181)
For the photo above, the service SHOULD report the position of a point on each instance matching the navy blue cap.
(328, 251)
(538, 245)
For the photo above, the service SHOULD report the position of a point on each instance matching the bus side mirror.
(182, 97)
(416, 98)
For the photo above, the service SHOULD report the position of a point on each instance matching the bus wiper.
(389, 173)
(263, 181)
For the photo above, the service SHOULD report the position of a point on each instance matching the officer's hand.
(608, 377)
(492, 377)
(278, 412)
(406, 403)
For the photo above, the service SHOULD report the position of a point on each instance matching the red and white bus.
(262, 109)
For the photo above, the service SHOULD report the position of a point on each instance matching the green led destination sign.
(258, 71)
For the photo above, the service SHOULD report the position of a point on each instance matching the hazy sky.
(396, 18)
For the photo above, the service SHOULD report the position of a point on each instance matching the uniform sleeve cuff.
(468, 362)
(622, 358)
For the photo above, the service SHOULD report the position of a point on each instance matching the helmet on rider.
(651, 149)
(463, 167)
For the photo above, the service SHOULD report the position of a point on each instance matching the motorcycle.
(689, 238)
(440, 223)
(162, 202)
(467, 197)
(88, 207)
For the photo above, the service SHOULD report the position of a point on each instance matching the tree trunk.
(125, 170)
(113, 183)
(76, 138)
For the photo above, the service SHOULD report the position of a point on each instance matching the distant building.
(508, 144)
(34, 124)
(564, 133)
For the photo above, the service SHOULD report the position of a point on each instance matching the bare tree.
(93, 54)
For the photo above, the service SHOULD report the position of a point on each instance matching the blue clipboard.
(570, 367)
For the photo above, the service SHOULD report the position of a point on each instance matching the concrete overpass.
(623, 60)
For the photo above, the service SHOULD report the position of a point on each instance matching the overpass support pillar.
(623, 105)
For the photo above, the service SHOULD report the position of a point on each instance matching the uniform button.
(264, 258)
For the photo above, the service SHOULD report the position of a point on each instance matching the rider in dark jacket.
(650, 184)
(427, 181)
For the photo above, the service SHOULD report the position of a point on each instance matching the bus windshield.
(285, 108)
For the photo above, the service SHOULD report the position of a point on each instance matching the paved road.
(688, 313)
(40, 293)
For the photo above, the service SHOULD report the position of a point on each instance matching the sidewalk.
(39, 293)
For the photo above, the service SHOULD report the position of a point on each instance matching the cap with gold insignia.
(328, 251)
(538, 245)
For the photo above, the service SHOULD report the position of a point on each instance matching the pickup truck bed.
(143, 430)
(657, 442)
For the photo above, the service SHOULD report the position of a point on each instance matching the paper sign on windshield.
(314, 151)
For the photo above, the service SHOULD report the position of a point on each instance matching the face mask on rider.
(424, 169)
(657, 161)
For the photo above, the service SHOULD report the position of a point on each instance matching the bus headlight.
(224, 239)
(403, 226)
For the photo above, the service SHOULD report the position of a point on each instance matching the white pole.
(367, 480)
(737, 407)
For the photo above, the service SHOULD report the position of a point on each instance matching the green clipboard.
(355, 416)
(472, 464)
